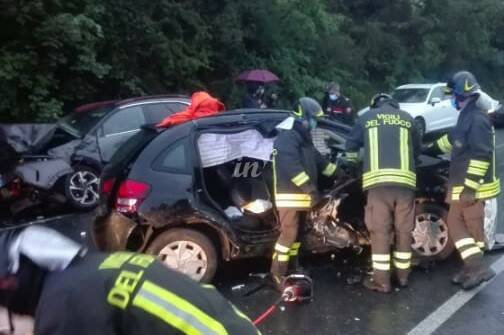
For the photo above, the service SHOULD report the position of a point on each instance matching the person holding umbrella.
(255, 80)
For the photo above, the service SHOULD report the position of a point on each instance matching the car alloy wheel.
(430, 236)
(186, 257)
(84, 188)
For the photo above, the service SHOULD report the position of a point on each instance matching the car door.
(118, 128)
(443, 114)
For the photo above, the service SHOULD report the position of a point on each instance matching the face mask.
(333, 96)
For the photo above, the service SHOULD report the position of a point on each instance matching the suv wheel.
(430, 235)
(187, 251)
(82, 188)
(419, 124)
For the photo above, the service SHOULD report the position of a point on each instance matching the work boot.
(371, 284)
(402, 278)
(476, 275)
(459, 277)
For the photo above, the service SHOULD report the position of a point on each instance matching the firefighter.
(71, 291)
(297, 165)
(391, 146)
(472, 177)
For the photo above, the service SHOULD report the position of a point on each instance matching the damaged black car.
(199, 193)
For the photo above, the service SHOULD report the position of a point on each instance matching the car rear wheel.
(82, 188)
(420, 126)
(430, 235)
(187, 251)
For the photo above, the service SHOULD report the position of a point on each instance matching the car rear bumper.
(112, 231)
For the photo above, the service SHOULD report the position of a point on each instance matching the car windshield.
(80, 123)
(410, 95)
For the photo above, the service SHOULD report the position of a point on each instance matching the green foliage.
(57, 54)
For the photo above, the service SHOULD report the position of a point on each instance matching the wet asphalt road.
(343, 308)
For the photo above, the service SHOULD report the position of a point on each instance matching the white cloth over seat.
(216, 149)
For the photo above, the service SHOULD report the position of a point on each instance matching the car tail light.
(107, 186)
(130, 196)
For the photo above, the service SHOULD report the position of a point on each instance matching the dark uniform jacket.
(472, 147)
(339, 109)
(297, 165)
(391, 144)
(128, 293)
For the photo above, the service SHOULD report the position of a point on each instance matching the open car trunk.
(237, 173)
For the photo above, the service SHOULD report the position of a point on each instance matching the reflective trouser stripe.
(464, 242)
(329, 170)
(481, 245)
(402, 255)
(471, 183)
(470, 252)
(176, 311)
(381, 266)
(373, 148)
(294, 250)
(403, 265)
(281, 257)
(479, 164)
(300, 178)
(444, 144)
(380, 257)
(404, 152)
(281, 248)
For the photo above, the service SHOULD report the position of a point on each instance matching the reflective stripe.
(296, 245)
(352, 155)
(404, 139)
(477, 171)
(283, 258)
(444, 144)
(380, 257)
(470, 252)
(485, 191)
(292, 196)
(373, 148)
(403, 265)
(300, 179)
(464, 242)
(293, 204)
(381, 266)
(395, 172)
(402, 255)
(281, 248)
(390, 179)
(273, 156)
(329, 170)
(176, 311)
(481, 245)
(479, 164)
(294, 252)
(472, 184)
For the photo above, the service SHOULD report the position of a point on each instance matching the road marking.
(437, 318)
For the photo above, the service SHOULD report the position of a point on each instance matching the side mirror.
(435, 100)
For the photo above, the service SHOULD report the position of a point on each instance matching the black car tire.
(72, 180)
(207, 248)
(420, 127)
(431, 210)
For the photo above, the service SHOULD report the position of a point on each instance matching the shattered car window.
(80, 123)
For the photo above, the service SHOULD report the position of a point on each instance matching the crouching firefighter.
(71, 291)
(391, 145)
(472, 178)
(297, 165)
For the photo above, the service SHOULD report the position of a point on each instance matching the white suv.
(427, 104)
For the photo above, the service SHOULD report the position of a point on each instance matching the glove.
(467, 197)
